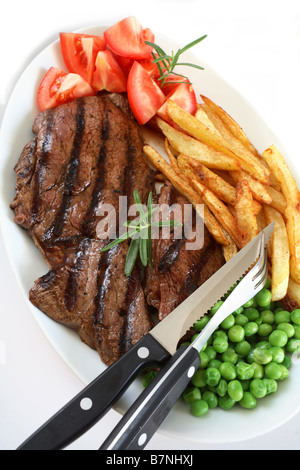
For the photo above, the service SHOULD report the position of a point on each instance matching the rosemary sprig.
(140, 234)
(166, 63)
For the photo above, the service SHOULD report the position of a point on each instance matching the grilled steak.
(85, 154)
(178, 271)
(94, 297)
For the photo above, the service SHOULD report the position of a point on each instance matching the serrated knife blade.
(174, 326)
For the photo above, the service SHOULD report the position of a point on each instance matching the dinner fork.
(147, 413)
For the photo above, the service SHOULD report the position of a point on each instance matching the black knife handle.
(145, 416)
(83, 411)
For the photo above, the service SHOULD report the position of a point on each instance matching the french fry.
(259, 192)
(280, 254)
(202, 116)
(292, 212)
(181, 184)
(278, 200)
(231, 125)
(187, 145)
(219, 209)
(245, 219)
(195, 128)
(294, 290)
(215, 183)
(170, 154)
(231, 250)
(250, 163)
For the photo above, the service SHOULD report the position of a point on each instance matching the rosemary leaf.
(121, 239)
(132, 256)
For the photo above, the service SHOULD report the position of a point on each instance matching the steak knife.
(154, 349)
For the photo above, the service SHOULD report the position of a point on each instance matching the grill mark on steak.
(41, 168)
(87, 224)
(71, 174)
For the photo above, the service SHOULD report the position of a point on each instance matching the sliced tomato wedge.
(127, 39)
(108, 74)
(58, 87)
(183, 95)
(144, 95)
(80, 51)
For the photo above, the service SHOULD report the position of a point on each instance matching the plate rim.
(36, 314)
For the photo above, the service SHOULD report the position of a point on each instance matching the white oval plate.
(28, 264)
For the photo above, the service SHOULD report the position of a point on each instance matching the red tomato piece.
(183, 95)
(108, 74)
(144, 95)
(80, 51)
(127, 39)
(58, 87)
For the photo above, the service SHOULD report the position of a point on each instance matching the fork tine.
(261, 259)
(263, 274)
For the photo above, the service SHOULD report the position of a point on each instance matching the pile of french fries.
(213, 163)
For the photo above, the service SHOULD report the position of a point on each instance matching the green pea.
(293, 346)
(222, 388)
(220, 345)
(262, 356)
(268, 317)
(258, 388)
(212, 376)
(230, 356)
(215, 363)
(241, 320)
(236, 334)
(235, 390)
(268, 283)
(198, 379)
(251, 313)
(226, 403)
(244, 371)
(277, 355)
(249, 303)
(263, 345)
(288, 328)
(147, 379)
(250, 329)
(204, 359)
(271, 385)
(199, 408)
(245, 384)
(211, 352)
(265, 329)
(259, 371)
(228, 371)
(216, 307)
(273, 371)
(191, 394)
(250, 358)
(239, 310)
(201, 324)
(211, 399)
(194, 337)
(297, 331)
(248, 401)
(243, 348)
(278, 338)
(295, 316)
(228, 322)
(220, 334)
(263, 298)
(282, 317)
(284, 373)
(287, 362)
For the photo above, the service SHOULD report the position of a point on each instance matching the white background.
(255, 46)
